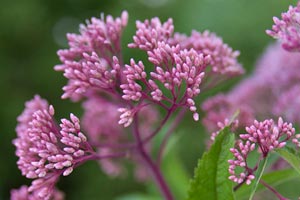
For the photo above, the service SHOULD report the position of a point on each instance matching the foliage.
(210, 181)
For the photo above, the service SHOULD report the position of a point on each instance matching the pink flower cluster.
(221, 108)
(266, 136)
(23, 194)
(289, 104)
(118, 99)
(189, 69)
(223, 58)
(287, 29)
(271, 91)
(180, 64)
(91, 63)
(94, 66)
(101, 123)
(46, 150)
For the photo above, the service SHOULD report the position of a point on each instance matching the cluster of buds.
(287, 29)
(264, 136)
(46, 150)
(269, 92)
(179, 63)
(118, 99)
(91, 62)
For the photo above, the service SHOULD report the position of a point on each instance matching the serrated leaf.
(211, 175)
(273, 178)
(290, 156)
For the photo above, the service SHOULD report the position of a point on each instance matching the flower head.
(180, 72)
(91, 62)
(287, 29)
(46, 150)
(223, 58)
(150, 32)
(288, 104)
(266, 136)
(23, 193)
(266, 93)
(220, 108)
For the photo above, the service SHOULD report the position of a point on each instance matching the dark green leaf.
(211, 175)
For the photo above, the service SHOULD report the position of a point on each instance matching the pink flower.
(266, 136)
(180, 64)
(223, 58)
(91, 63)
(100, 119)
(273, 63)
(178, 71)
(221, 107)
(37, 103)
(103, 125)
(100, 122)
(288, 104)
(90, 75)
(23, 193)
(263, 94)
(241, 153)
(287, 29)
(46, 151)
(150, 32)
(221, 125)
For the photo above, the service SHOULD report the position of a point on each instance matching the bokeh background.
(32, 31)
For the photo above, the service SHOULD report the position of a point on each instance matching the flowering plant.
(123, 101)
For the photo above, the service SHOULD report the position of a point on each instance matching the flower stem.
(164, 188)
(157, 175)
(168, 115)
(280, 197)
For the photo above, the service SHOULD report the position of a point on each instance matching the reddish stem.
(279, 196)
(164, 188)
(170, 111)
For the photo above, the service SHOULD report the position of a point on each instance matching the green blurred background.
(32, 31)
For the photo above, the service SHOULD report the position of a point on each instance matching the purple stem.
(279, 196)
(175, 123)
(248, 171)
(164, 188)
(170, 111)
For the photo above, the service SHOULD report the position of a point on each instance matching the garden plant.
(128, 104)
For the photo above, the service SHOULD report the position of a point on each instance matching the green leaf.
(211, 175)
(273, 178)
(258, 175)
(291, 157)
